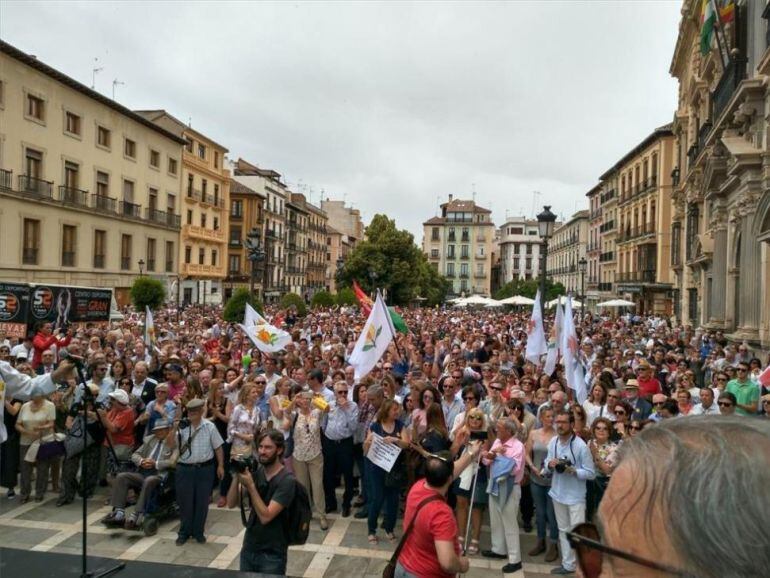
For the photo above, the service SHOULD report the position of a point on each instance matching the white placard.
(383, 454)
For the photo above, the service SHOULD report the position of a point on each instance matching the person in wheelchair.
(153, 460)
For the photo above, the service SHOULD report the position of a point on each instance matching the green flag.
(398, 322)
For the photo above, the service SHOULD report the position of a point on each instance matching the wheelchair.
(160, 506)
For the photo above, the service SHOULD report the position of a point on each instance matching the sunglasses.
(721, 379)
(497, 388)
(636, 428)
(261, 382)
(586, 541)
(620, 412)
(342, 392)
(603, 428)
(724, 404)
(469, 398)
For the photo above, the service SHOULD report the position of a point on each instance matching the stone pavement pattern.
(342, 551)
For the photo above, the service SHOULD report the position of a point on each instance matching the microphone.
(78, 361)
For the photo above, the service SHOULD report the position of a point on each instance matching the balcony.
(68, 259)
(73, 196)
(451, 239)
(217, 235)
(481, 239)
(35, 186)
(234, 242)
(479, 256)
(125, 263)
(207, 200)
(593, 247)
(630, 234)
(608, 226)
(6, 179)
(606, 197)
(29, 256)
(236, 216)
(596, 214)
(607, 256)
(464, 257)
(607, 287)
(202, 270)
(647, 276)
(169, 266)
(464, 275)
(478, 275)
(450, 275)
(193, 195)
(734, 73)
(150, 265)
(163, 218)
(99, 261)
(131, 210)
(433, 257)
(104, 203)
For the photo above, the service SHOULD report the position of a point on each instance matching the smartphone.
(479, 436)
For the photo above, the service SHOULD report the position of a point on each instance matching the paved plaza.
(341, 551)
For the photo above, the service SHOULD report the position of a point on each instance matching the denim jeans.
(270, 562)
(380, 496)
(402, 572)
(544, 512)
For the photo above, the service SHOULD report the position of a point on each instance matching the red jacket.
(41, 343)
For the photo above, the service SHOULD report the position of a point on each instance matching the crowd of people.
(456, 387)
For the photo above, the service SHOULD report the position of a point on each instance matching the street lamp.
(545, 224)
(141, 267)
(256, 255)
(582, 266)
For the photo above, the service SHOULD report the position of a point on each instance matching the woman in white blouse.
(243, 427)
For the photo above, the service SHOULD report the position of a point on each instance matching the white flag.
(374, 339)
(149, 328)
(536, 345)
(572, 366)
(554, 341)
(265, 337)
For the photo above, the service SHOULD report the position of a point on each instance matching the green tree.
(529, 287)
(147, 292)
(388, 259)
(235, 308)
(294, 300)
(322, 299)
(345, 296)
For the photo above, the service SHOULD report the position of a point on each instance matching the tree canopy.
(147, 292)
(529, 287)
(388, 259)
(235, 308)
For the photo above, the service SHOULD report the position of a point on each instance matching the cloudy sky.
(390, 105)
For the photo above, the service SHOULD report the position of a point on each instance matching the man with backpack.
(280, 508)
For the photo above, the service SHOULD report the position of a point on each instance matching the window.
(125, 252)
(68, 242)
(35, 108)
(103, 137)
(201, 256)
(236, 209)
(190, 184)
(189, 217)
(215, 226)
(201, 151)
(128, 191)
(169, 256)
(172, 166)
(235, 235)
(463, 251)
(72, 123)
(463, 269)
(517, 231)
(234, 266)
(102, 184)
(188, 145)
(71, 175)
(480, 269)
(129, 148)
(216, 159)
(214, 256)
(170, 203)
(100, 248)
(216, 194)
(153, 201)
(450, 269)
(150, 254)
(187, 254)
(203, 220)
(31, 241)
(204, 187)
(434, 253)
(154, 159)
(33, 163)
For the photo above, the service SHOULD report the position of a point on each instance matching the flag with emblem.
(554, 341)
(536, 344)
(265, 337)
(149, 328)
(573, 369)
(377, 334)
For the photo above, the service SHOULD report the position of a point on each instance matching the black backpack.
(296, 519)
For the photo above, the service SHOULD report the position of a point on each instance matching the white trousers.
(505, 525)
(567, 517)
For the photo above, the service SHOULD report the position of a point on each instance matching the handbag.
(50, 450)
(73, 443)
(396, 477)
(390, 568)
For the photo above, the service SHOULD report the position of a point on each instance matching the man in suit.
(144, 386)
(153, 460)
(47, 363)
(641, 407)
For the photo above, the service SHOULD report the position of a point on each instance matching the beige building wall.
(346, 220)
(246, 213)
(297, 217)
(88, 187)
(458, 244)
(593, 249)
(566, 247)
(338, 247)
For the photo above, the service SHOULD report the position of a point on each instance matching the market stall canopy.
(517, 300)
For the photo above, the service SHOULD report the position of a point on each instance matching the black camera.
(242, 463)
(562, 465)
(184, 423)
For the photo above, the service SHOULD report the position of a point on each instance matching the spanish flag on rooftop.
(714, 13)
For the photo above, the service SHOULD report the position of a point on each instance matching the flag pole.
(718, 31)
(390, 324)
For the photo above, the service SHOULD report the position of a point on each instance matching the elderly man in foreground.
(690, 498)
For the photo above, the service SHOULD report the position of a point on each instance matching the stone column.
(749, 281)
(719, 277)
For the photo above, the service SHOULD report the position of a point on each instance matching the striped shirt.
(205, 441)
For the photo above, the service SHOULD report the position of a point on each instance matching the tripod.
(476, 465)
(88, 399)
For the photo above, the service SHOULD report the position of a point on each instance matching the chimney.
(450, 197)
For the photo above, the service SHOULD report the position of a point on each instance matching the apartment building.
(205, 190)
(519, 249)
(338, 247)
(315, 264)
(565, 250)
(246, 220)
(89, 190)
(458, 244)
(297, 217)
(345, 219)
(593, 249)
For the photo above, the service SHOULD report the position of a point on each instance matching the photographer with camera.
(570, 463)
(270, 490)
(201, 461)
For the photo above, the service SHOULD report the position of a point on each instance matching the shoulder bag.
(390, 569)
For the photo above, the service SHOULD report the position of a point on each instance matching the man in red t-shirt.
(648, 384)
(431, 550)
(119, 423)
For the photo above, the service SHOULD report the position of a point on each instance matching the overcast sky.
(391, 105)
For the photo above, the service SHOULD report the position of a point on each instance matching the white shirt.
(700, 410)
(19, 386)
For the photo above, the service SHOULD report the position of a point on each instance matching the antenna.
(189, 121)
(473, 191)
(115, 83)
(438, 204)
(310, 196)
(535, 194)
(94, 71)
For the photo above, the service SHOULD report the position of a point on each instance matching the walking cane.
(470, 503)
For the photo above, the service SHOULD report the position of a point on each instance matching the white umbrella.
(563, 300)
(475, 300)
(493, 303)
(617, 303)
(518, 300)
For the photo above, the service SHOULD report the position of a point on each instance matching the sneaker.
(495, 555)
(11, 494)
(511, 568)
(324, 523)
(181, 540)
(201, 539)
(562, 571)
